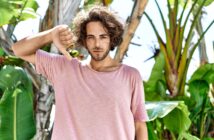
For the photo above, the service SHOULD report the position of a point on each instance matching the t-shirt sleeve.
(48, 64)
(138, 99)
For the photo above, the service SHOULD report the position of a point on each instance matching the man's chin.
(97, 59)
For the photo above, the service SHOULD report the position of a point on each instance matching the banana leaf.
(201, 99)
(16, 10)
(181, 115)
(16, 105)
(160, 109)
(175, 117)
(187, 136)
(207, 3)
(199, 88)
(155, 87)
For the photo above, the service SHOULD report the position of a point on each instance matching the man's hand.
(63, 39)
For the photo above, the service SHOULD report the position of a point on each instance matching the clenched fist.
(63, 39)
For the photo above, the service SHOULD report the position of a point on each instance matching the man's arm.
(27, 47)
(141, 131)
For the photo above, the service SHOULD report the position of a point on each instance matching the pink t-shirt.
(93, 105)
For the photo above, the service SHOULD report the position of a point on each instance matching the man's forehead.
(96, 28)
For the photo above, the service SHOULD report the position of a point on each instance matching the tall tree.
(131, 26)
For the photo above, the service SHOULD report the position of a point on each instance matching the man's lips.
(97, 51)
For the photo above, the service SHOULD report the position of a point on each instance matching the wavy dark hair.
(107, 18)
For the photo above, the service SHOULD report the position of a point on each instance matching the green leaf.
(205, 72)
(12, 60)
(28, 13)
(151, 132)
(74, 53)
(199, 87)
(178, 120)
(11, 10)
(1, 52)
(187, 136)
(198, 92)
(32, 4)
(155, 87)
(207, 3)
(16, 105)
(10, 76)
(92, 2)
(160, 109)
(6, 12)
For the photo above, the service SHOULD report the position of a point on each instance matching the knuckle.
(68, 41)
(64, 42)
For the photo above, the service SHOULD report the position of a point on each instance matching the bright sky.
(144, 34)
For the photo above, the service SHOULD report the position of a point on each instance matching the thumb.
(66, 54)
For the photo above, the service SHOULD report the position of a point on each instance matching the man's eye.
(89, 37)
(104, 37)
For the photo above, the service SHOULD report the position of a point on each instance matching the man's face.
(97, 41)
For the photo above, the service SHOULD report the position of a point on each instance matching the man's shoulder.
(133, 72)
(130, 69)
(55, 59)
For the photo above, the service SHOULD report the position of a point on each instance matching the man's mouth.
(97, 50)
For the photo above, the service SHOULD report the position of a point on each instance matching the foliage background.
(193, 118)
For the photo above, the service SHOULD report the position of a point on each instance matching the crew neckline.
(117, 69)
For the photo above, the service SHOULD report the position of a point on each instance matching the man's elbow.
(15, 50)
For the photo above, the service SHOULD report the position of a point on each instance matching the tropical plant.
(198, 107)
(16, 104)
(162, 117)
(14, 11)
(177, 49)
(17, 118)
(168, 77)
(201, 101)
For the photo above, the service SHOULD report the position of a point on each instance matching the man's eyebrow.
(89, 35)
(104, 34)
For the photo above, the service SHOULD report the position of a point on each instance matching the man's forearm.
(60, 35)
(30, 45)
(141, 131)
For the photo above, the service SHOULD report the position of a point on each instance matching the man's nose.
(97, 43)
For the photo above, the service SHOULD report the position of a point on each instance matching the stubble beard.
(99, 57)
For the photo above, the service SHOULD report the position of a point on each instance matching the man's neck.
(108, 64)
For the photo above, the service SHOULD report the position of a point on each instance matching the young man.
(102, 100)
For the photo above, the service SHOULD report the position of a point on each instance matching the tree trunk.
(130, 28)
(5, 42)
(202, 45)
